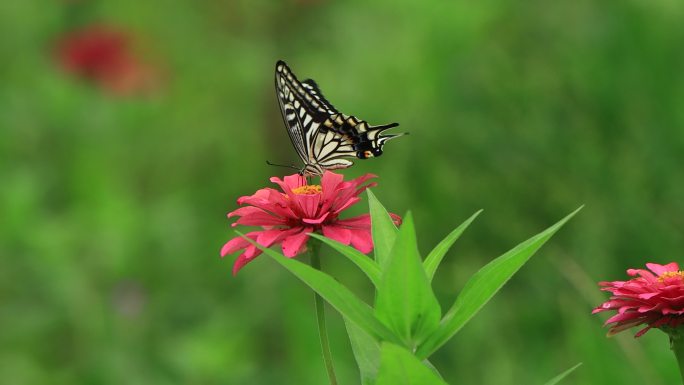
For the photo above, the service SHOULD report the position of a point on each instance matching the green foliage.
(112, 208)
(399, 367)
(384, 230)
(561, 376)
(336, 294)
(482, 286)
(367, 265)
(405, 301)
(366, 351)
(433, 259)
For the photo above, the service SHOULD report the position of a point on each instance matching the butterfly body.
(322, 136)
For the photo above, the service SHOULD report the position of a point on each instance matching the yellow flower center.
(307, 189)
(671, 274)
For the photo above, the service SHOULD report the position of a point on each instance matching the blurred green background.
(112, 205)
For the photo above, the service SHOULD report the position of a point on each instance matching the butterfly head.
(369, 153)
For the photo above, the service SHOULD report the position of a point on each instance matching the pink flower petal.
(250, 253)
(316, 221)
(290, 183)
(269, 200)
(348, 190)
(252, 216)
(237, 243)
(247, 210)
(233, 245)
(294, 244)
(338, 233)
(660, 269)
(240, 262)
(267, 238)
(356, 185)
(350, 202)
(285, 186)
(395, 218)
(645, 274)
(329, 183)
(308, 205)
(362, 221)
(295, 180)
(362, 240)
(263, 194)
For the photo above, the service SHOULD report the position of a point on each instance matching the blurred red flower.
(105, 56)
(287, 217)
(655, 298)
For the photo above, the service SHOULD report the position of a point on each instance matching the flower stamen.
(668, 275)
(307, 189)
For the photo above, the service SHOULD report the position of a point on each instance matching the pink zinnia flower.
(656, 300)
(288, 217)
(104, 55)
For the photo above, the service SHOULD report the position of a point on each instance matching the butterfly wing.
(330, 148)
(286, 100)
(322, 136)
(368, 141)
(304, 110)
(312, 88)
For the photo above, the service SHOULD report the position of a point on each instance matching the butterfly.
(322, 136)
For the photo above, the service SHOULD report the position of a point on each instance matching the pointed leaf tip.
(405, 301)
(483, 285)
(435, 257)
(383, 229)
(561, 376)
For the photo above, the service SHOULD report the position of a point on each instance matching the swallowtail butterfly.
(322, 136)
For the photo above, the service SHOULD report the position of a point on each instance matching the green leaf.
(427, 363)
(405, 301)
(561, 376)
(483, 285)
(366, 352)
(383, 229)
(435, 257)
(334, 292)
(399, 367)
(365, 263)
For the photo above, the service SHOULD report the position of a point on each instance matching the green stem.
(320, 318)
(677, 346)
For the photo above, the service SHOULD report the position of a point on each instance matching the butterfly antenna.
(283, 165)
(385, 127)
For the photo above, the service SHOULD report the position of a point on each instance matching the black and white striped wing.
(312, 88)
(329, 148)
(321, 135)
(290, 109)
(305, 111)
